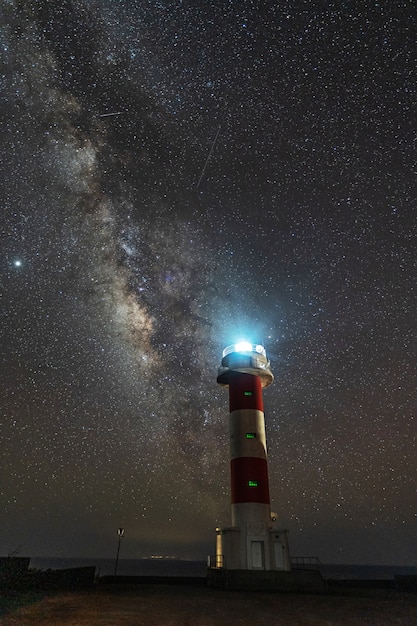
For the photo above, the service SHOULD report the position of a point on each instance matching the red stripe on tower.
(245, 392)
(249, 480)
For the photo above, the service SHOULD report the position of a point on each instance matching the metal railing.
(306, 562)
(297, 562)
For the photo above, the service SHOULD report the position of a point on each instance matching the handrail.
(305, 562)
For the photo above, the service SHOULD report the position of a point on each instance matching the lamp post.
(121, 533)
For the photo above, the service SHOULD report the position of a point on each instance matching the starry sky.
(177, 175)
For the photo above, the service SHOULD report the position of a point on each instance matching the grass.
(182, 605)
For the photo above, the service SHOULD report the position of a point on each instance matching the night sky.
(177, 175)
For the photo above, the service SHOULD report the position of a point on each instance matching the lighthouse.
(252, 542)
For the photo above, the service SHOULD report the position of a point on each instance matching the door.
(258, 556)
(279, 555)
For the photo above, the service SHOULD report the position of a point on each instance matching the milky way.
(177, 176)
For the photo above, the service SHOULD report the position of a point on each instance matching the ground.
(185, 605)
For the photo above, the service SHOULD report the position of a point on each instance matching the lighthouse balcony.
(234, 363)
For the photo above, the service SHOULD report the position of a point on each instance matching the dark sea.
(174, 567)
(126, 567)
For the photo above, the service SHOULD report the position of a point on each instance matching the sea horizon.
(171, 566)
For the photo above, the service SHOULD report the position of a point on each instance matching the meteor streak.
(115, 113)
(208, 158)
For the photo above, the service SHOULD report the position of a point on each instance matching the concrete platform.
(305, 581)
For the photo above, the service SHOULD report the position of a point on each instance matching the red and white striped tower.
(250, 543)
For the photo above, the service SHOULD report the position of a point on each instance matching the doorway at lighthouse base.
(259, 549)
